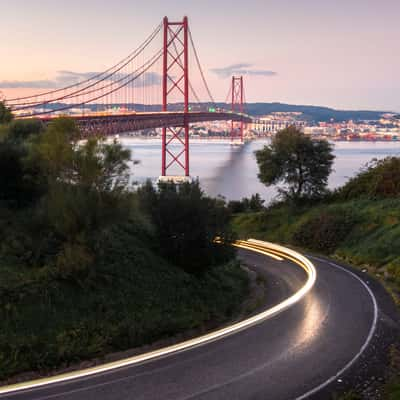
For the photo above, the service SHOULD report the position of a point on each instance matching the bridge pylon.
(175, 85)
(237, 127)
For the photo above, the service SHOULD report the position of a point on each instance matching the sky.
(337, 53)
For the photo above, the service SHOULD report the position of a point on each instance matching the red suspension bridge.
(106, 103)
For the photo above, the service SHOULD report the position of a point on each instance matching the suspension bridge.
(155, 74)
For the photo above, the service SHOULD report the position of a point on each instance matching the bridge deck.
(112, 124)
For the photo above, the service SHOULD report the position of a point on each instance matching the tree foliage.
(20, 130)
(20, 181)
(93, 165)
(70, 190)
(186, 224)
(378, 179)
(253, 204)
(298, 162)
(324, 231)
(5, 114)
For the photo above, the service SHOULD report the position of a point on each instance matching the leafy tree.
(20, 180)
(87, 182)
(94, 165)
(22, 129)
(186, 224)
(255, 203)
(302, 164)
(69, 191)
(5, 114)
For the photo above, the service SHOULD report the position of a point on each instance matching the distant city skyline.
(341, 54)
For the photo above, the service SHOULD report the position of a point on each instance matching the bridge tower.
(237, 106)
(175, 86)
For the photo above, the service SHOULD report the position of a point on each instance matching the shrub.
(74, 261)
(20, 130)
(378, 179)
(253, 204)
(5, 114)
(324, 231)
(186, 223)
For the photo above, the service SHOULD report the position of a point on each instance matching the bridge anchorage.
(107, 103)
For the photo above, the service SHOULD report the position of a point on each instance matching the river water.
(232, 171)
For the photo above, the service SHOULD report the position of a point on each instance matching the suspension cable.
(130, 57)
(178, 56)
(150, 64)
(200, 68)
(228, 95)
(81, 93)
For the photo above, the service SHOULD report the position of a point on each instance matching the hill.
(311, 113)
(88, 266)
(314, 113)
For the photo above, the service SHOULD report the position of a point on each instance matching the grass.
(132, 298)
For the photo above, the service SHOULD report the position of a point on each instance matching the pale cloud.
(67, 78)
(241, 69)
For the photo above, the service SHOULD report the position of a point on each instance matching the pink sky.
(338, 53)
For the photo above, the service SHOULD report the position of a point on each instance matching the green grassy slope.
(134, 297)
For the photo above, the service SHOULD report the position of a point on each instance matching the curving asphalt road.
(290, 356)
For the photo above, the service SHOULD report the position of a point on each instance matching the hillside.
(311, 113)
(314, 113)
(89, 266)
(134, 297)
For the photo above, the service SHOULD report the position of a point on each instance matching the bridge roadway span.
(285, 357)
(129, 122)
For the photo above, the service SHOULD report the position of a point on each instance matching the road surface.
(290, 356)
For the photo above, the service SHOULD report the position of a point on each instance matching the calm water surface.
(232, 171)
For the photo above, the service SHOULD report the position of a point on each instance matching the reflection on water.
(232, 171)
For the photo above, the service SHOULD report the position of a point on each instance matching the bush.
(20, 130)
(19, 182)
(5, 114)
(378, 179)
(253, 204)
(186, 223)
(324, 231)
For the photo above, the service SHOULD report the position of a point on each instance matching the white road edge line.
(258, 246)
(363, 347)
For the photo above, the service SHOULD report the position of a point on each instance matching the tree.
(20, 181)
(253, 204)
(93, 165)
(87, 182)
(256, 203)
(186, 223)
(20, 130)
(5, 114)
(302, 164)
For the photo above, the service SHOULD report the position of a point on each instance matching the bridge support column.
(237, 107)
(175, 87)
